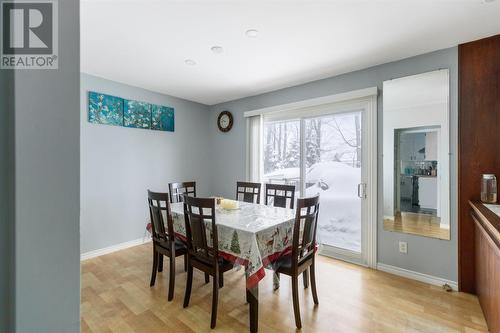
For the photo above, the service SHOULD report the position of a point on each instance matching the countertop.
(488, 219)
(494, 208)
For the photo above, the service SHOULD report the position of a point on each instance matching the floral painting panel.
(162, 118)
(105, 109)
(137, 114)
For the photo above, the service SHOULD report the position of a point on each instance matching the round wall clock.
(225, 121)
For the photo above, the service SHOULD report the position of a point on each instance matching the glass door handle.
(362, 190)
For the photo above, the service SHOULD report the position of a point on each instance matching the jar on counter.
(489, 188)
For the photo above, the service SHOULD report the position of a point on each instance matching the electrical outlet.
(403, 247)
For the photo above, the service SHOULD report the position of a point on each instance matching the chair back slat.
(198, 212)
(199, 235)
(159, 211)
(178, 189)
(279, 194)
(304, 229)
(248, 192)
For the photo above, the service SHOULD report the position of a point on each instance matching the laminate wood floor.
(417, 224)
(116, 297)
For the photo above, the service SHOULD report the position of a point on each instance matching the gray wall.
(47, 126)
(6, 200)
(425, 255)
(119, 164)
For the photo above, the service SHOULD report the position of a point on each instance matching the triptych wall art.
(112, 110)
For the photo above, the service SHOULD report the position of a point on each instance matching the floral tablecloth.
(252, 235)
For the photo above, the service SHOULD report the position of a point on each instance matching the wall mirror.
(416, 155)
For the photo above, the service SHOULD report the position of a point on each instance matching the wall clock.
(225, 121)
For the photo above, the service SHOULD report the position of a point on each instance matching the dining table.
(252, 236)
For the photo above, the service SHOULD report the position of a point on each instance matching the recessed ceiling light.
(190, 62)
(252, 33)
(217, 49)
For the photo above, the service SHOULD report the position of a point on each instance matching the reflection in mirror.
(416, 161)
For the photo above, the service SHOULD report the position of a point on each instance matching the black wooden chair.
(248, 192)
(198, 212)
(278, 194)
(303, 251)
(164, 241)
(178, 189)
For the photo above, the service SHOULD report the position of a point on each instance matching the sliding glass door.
(333, 161)
(325, 154)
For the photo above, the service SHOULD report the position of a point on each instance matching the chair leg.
(185, 262)
(215, 301)
(276, 281)
(155, 268)
(313, 283)
(305, 277)
(171, 279)
(189, 284)
(160, 262)
(295, 296)
(207, 278)
(221, 280)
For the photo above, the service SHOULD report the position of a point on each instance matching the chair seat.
(224, 265)
(284, 264)
(180, 247)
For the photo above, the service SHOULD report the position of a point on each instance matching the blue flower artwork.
(137, 114)
(162, 118)
(105, 109)
(117, 111)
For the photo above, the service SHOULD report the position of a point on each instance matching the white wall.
(119, 164)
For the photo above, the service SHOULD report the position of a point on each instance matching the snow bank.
(340, 208)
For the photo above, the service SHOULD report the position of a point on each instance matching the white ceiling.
(145, 42)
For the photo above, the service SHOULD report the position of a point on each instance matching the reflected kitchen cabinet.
(427, 193)
(431, 146)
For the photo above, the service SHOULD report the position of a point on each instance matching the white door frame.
(365, 100)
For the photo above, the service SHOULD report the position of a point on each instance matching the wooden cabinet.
(479, 125)
(487, 267)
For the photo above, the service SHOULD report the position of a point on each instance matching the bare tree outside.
(282, 142)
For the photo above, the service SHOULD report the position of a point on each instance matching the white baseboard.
(436, 281)
(114, 248)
